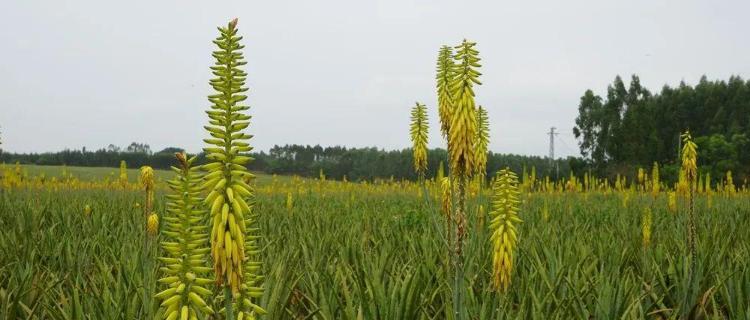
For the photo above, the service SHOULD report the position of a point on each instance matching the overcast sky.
(345, 72)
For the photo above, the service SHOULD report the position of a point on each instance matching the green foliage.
(631, 126)
(365, 254)
(57, 263)
(719, 154)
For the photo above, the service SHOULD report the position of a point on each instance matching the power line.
(567, 147)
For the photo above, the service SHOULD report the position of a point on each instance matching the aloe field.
(342, 250)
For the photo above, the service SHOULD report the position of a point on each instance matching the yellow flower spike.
(672, 201)
(184, 240)
(123, 174)
(462, 135)
(690, 167)
(689, 156)
(641, 176)
(729, 187)
(646, 227)
(445, 69)
(482, 141)
(463, 128)
(152, 224)
(419, 130)
(147, 181)
(227, 178)
(503, 220)
(147, 177)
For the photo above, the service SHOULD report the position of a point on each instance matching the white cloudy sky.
(343, 72)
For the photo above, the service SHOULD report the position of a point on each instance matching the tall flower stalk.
(690, 168)
(186, 248)
(444, 80)
(418, 131)
(462, 138)
(229, 196)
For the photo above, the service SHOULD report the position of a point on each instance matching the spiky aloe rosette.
(186, 248)
(503, 220)
(418, 131)
(233, 245)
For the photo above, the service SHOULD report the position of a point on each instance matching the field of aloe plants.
(342, 250)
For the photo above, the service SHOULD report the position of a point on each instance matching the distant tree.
(354, 163)
(632, 127)
(589, 126)
(171, 150)
(113, 148)
(138, 148)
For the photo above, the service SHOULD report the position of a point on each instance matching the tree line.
(627, 128)
(356, 164)
(632, 127)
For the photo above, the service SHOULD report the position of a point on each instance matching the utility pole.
(552, 135)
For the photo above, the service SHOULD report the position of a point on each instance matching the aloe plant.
(233, 238)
